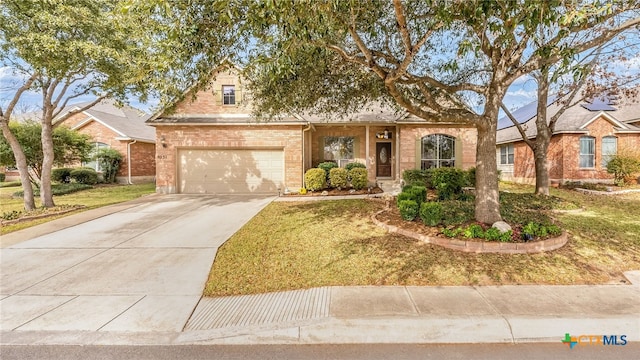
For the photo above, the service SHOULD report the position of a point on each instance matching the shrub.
(622, 167)
(84, 176)
(355, 165)
(109, 160)
(417, 177)
(471, 177)
(408, 209)
(448, 182)
(431, 213)
(415, 193)
(59, 189)
(473, 231)
(327, 166)
(315, 179)
(338, 178)
(303, 191)
(2, 177)
(61, 175)
(359, 178)
(457, 212)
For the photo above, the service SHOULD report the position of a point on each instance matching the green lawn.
(92, 198)
(301, 245)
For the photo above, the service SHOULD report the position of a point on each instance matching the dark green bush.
(408, 209)
(457, 212)
(338, 178)
(471, 177)
(473, 231)
(2, 177)
(327, 166)
(448, 182)
(109, 160)
(431, 213)
(59, 189)
(315, 179)
(359, 178)
(61, 175)
(417, 177)
(415, 193)
(84, 176)
(355, 165)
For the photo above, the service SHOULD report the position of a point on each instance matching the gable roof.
(621, 113)
(126, 121)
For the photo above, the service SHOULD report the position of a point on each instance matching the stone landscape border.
(478, 247)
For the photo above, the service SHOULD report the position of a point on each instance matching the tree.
(65, 49)
(69, 147)
(584, 77)
(438, 60)
(109, 160)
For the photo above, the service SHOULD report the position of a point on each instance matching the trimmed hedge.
(355, 165)
(315, 179)
(61, 175)
(359, 178)
(408, 209)
(448, 182)
(327, 166)
(431, 213)
(338, 178)
(417, 177)
(84, 176)
(415, 193)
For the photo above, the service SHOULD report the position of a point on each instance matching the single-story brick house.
(585, 137)
(210, 143)
(121, 128)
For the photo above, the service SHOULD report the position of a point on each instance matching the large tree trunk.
(487, 193)
(46, 194)
(542, 164)
(21, 163)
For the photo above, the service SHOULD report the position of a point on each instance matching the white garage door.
(230, 171)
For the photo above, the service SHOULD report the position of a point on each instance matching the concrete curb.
(478, 247)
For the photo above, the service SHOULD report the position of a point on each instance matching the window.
(587, 152)
(339, 149)
(438, 151)
(94, 164)
(506, 154)
(609, 149)
(228, 95)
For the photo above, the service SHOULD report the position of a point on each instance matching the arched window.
(609, 149)
(438, 151)
(94, 164)
(587, 152)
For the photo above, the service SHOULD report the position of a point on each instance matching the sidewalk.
(370, 314)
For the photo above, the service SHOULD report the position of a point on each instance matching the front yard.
(330, 243)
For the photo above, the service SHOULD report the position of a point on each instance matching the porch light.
(387, 134)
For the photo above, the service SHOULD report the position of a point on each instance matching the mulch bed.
(341, 192)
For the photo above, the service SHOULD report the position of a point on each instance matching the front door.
(383, 159)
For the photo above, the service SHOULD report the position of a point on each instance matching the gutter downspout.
(129, 161)
(304, 150)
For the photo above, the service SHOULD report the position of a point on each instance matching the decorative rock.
(324, 193)
(352, 191)
(502, 226)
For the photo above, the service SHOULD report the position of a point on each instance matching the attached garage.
(223, 171)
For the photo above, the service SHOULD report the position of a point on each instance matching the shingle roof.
(127, 121)
(625, 112)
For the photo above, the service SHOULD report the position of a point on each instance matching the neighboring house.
(121, 128)
(585, 138)
(210, 143)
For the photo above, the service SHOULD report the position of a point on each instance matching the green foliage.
(417, 177)
(69, 146)
(61, 175)
(84, 176)
(622, 167)
(533, 229)
(354, 165)
(11, 215)
(473, 231)
(109, 160)
(431, 213)
(327, 166)
(359, 178)
(10, 184)
(471, 177)
(408, 209)
(457, 212)
(315, 179)
(338, 178)
(2, 177)
(448, 182)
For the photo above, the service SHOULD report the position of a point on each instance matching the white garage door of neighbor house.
(230, 171)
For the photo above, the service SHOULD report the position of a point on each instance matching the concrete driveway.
(140, 268)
